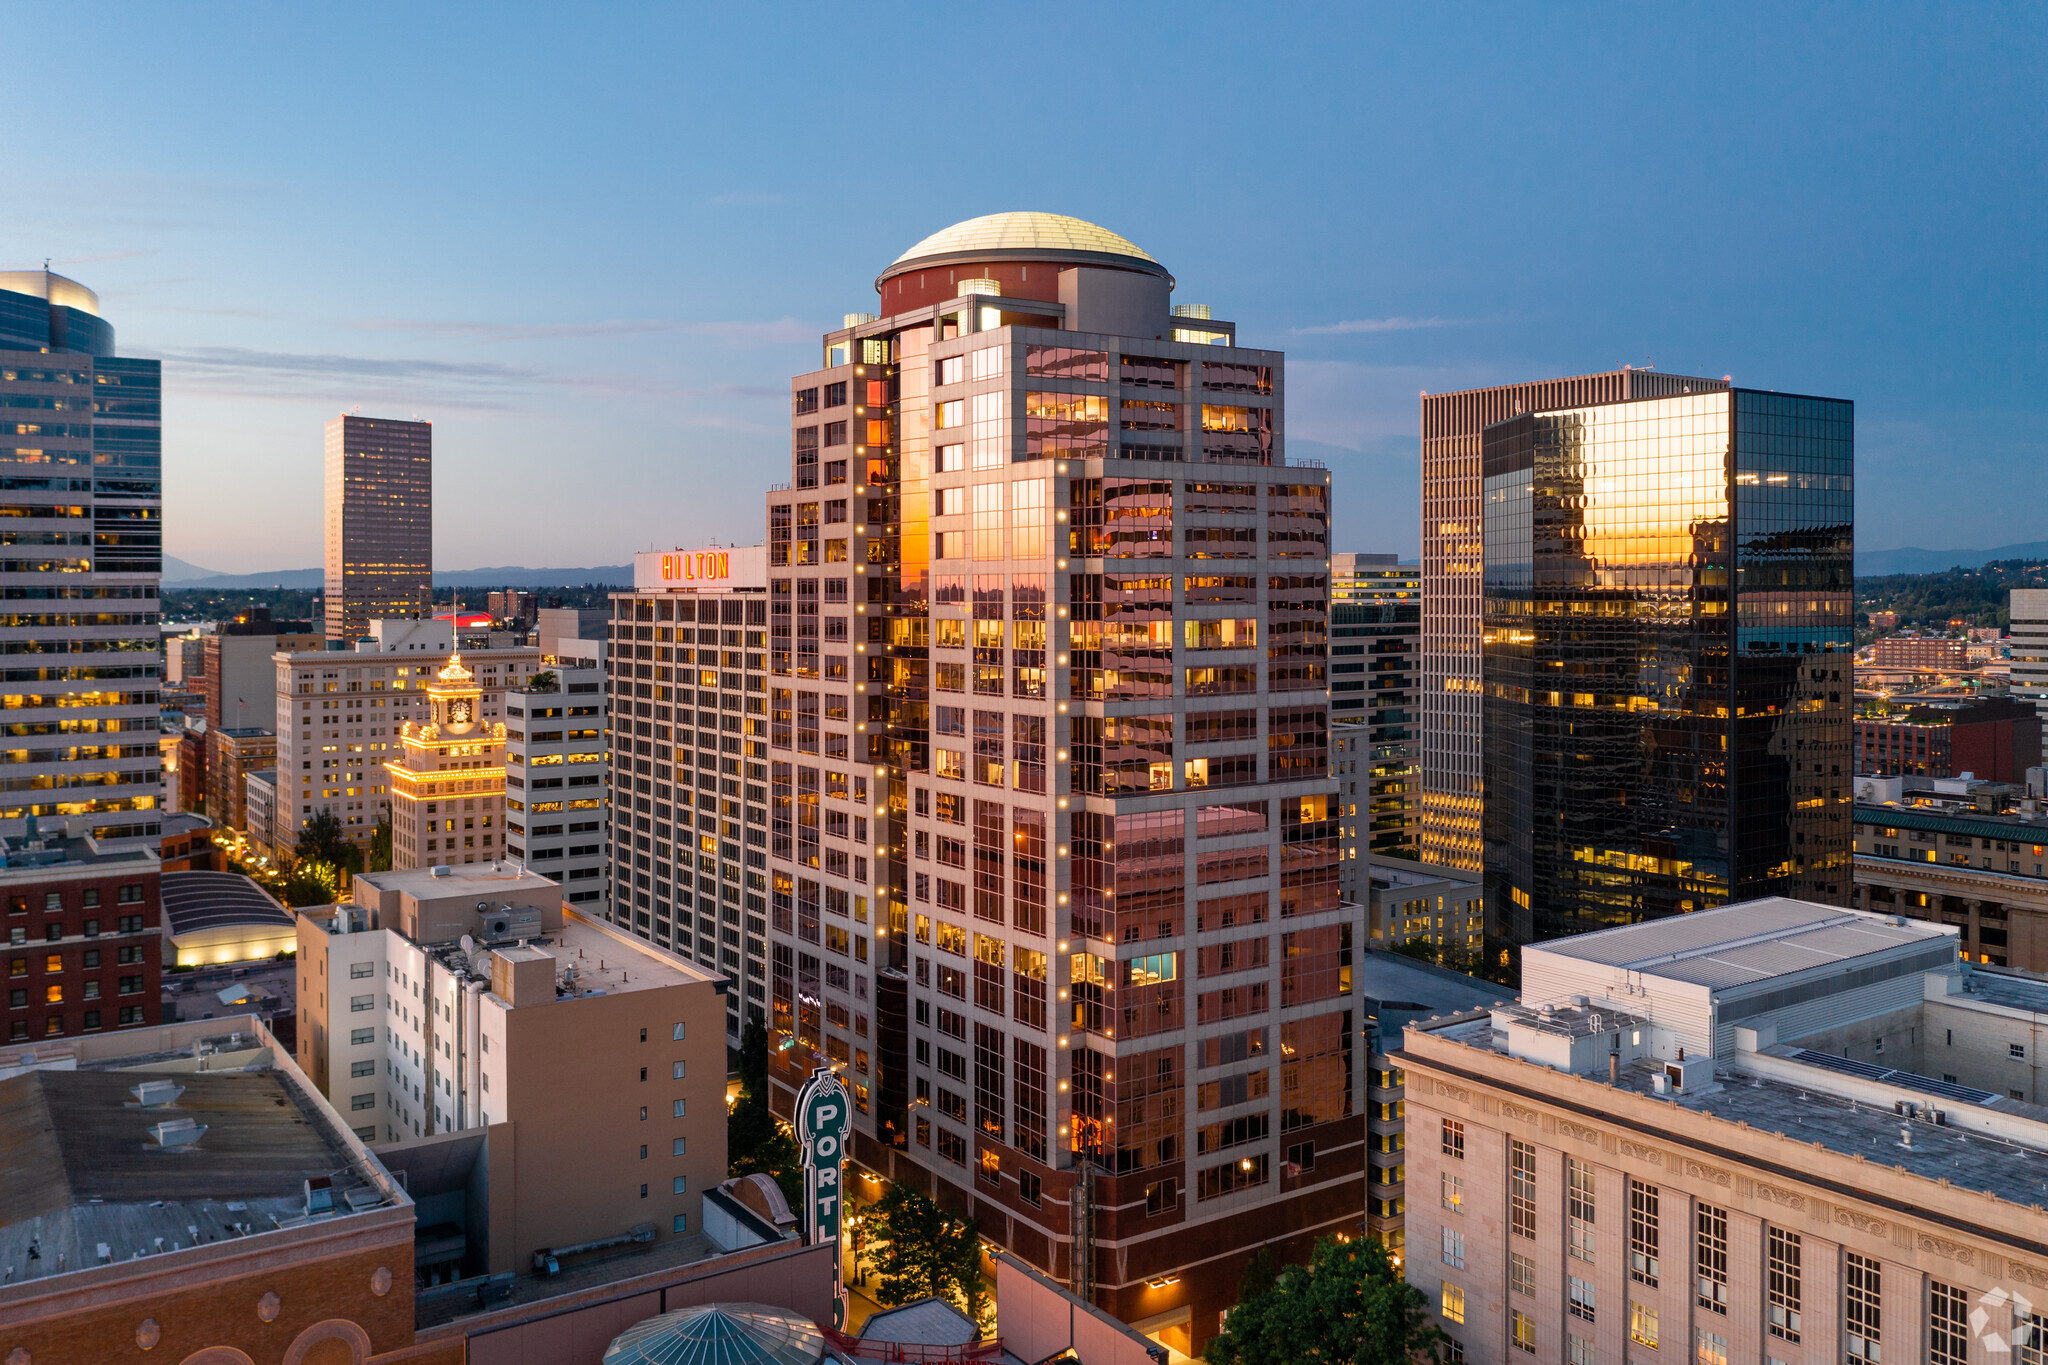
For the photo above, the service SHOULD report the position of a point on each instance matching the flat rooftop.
(81, 1169)
(1817, 1112)
(602, 959)
(1399, 872)
(1736, 945)
(462, 879)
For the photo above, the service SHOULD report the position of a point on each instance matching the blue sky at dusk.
(592, 243)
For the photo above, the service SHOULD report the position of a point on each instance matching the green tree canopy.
(921, 1250)
(321, 840)
(1347, 1306)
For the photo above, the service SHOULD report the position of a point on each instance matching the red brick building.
(84, 937)
(1921, 651)
(1995, 739)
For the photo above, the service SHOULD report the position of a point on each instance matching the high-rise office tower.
(1666, 672)
(1375, 657)
(1052, 837)
(689, 763)
(380, 523)
(1452, 562)
(81, 452)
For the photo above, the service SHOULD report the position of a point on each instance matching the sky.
(592, 244)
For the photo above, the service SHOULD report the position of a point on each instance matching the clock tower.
(448, 783)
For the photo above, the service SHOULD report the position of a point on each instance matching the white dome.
(1022, 232)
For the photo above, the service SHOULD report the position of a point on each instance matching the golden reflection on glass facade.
(1666, 631)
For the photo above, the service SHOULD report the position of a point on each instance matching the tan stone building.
(1772, 1132)
(447, 783)
(462, 1019)
(1979, 872)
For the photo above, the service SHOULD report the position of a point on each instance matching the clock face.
(458, 711)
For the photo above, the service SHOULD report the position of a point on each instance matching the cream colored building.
(447, 784)
(473, 1003)
(1771, 1132)
(338, 717)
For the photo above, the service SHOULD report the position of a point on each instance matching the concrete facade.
(560, 735)
(1375, 667)
(1981, 874)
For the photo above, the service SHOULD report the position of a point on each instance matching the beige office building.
(447, 783)
(591, 1063)
(380, 523)
(1774, 1132)
(1053, 838)
(1453, 565)
(339, 715)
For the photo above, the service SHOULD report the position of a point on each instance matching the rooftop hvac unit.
(154, 1094)
(319, 1195)
(177, 1132)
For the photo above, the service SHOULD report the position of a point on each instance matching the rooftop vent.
(442, 871)
(177, 1132)
(319, 1195)
(980, 286)
(155, 1094)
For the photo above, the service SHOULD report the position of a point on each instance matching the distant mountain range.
(1913, 559)
(179, 574)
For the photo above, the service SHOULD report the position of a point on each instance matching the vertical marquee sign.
(824, 1116)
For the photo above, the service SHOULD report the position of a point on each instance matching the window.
(358, 971)
(678, 1071)
(362, 1101)
(1521, 1331)
(1642, 1233)
(1579, 1351)
(677, 1033)
(356, 1069)
(1710, 1259)
(1862, 1321)
(1160, 1197)
(1030, 1189)
(1454, 1139)
(357, 1004)
(680, 1185)
(2017, 1051)
(1782, 1284)
(1454, 1249)
(1521, 1188)
(1710, 1348)
(1453, 1303)
(680, 1109)
(1642, 1324)
(1948, 1325)
(679, 1147)
(1578, 1209)
(1454, 1193)
(362, 1035)
(1580, 1298)
(1522, 1274)
(682, 1223)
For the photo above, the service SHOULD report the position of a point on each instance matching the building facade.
(1453, 565)
(553, 737)
(81, 448)
(1375, 666)
(380, 523)
(447, 781)
(339, 716)
(1407, 902)
(1993, 739)
(1977, 872)
(1053, 842)
(235, 754)
(422, 1015)
(2029, 651)
(85, 933)
(1771, 1132)
(1667, 663)
(688, 699)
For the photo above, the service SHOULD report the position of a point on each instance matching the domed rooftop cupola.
(1022, 252)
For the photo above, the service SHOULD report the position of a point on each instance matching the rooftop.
(1023, 232)
(595, 958)
(1814, 1104)
(212, 900)
(459, 879)
(1736, 945)
(50, 847)
(1400, 872)
(86, 1180)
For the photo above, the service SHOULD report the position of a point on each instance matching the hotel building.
(1667, 657)
(339, 716)
(1453, 560)
(1771, 1132)
(1052, 839)
(380, 523)
(689, 746)
(81, 435)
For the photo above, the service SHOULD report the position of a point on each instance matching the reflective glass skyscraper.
(80, 562)
(1666, 657)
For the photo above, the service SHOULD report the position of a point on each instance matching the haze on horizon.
(592, 252)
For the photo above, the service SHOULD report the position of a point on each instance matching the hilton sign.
(716, 570)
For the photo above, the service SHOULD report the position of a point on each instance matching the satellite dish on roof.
(468, 946)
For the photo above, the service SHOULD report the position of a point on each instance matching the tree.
(321, 840)
(1259, 1277)
(544, 681)
(1347, 1306)
(921, 1250)
(380, 842)
(754, 1142)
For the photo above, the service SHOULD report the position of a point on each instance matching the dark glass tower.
(81, 442)
(1666, 655)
